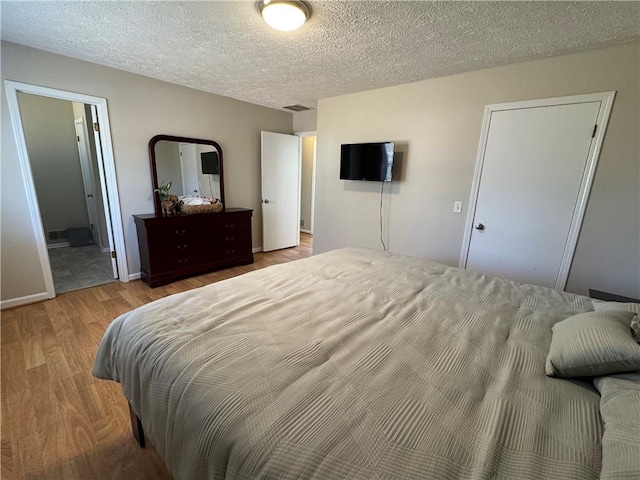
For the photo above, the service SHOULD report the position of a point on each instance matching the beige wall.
(306, 184)
(139, 108)
(304, 121)
(55, 162)
(168, 165)
(436, 126)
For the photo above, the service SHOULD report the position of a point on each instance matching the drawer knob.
(229, 239)
(183, 261)
(230, 252)
(181, 247)
(178, 232)
(229, 225)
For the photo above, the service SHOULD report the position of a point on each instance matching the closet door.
(532, 182)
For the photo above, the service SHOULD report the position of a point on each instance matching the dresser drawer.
(175, 233)
(239, 247)
(225, 226)
(174, 263)
(232, 238)
(187, 245)
(236, 225)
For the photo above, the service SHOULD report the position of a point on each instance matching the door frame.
(313, 179)
(12, 88)
(606, 99)
(97, 140)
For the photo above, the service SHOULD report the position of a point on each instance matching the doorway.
(535, 168)
(94, 200)
(307, 183)
(64, 168)
(288, 189)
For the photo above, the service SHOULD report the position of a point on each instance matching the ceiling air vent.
(297, 108)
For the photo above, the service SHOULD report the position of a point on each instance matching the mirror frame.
(154, 170)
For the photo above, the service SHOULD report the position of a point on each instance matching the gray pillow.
(593, 343)
(634, 323)
(616, 306)
(620, 411)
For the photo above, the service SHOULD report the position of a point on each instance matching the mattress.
(356, 364)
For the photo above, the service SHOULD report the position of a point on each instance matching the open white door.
(103, 185)
(280, 190)
(88, 181)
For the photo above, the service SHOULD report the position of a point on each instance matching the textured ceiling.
(347, 46)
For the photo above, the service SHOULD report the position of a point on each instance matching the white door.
(532, 183)
(88, 181)
(103, 185)
(280, 190)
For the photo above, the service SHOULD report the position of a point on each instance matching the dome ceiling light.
(284, 15)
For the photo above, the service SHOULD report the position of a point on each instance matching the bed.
(361, 364)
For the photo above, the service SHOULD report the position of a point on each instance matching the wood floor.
(58, 421)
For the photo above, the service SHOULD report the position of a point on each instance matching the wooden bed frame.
(610, 297)
(136, 427)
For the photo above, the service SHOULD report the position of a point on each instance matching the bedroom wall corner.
(436, 126)
(139, 108)
(305, 121)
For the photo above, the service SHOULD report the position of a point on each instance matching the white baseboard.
(67, 244)
(257, 250)
(58, 245)
(17, 302)
(134, 276)
(304, 230)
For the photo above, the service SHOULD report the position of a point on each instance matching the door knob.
(479, 226)
(266, 201)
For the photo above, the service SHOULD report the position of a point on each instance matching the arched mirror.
(193, 166)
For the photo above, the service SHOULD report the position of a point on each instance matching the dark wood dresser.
(186, 245)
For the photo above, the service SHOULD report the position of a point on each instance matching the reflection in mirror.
(194, 167)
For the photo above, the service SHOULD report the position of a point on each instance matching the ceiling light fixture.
(284, 15)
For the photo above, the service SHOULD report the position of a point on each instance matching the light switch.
(457, 207)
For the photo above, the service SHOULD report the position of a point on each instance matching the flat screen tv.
(210, 163)
(366, 161)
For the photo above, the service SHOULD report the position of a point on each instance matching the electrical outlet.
(457, 207)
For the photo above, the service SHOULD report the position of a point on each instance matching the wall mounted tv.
(210, 163)
(366, 161)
